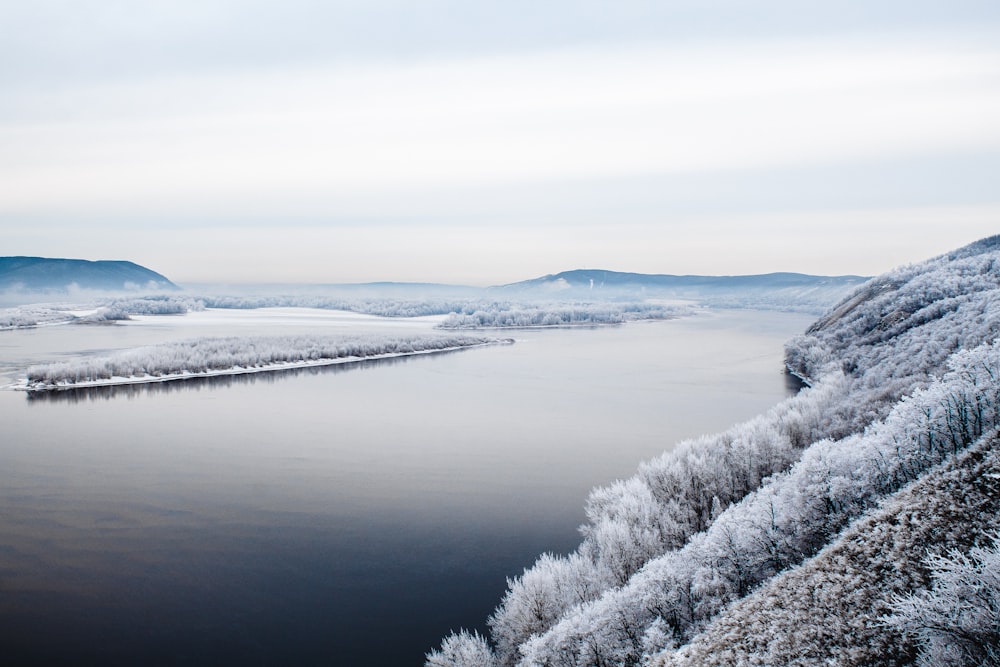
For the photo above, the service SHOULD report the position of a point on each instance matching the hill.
(844, 499)
(56, 274)
(793, 291)
(600, 279)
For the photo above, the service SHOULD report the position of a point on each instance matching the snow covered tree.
(463, 649)
(957, 622)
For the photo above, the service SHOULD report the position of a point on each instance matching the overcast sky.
(483, 142)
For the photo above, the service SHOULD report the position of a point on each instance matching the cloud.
(823, 155)
(305, 141)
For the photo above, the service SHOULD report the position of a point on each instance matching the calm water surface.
(341, 516)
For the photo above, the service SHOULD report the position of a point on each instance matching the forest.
(854, 523)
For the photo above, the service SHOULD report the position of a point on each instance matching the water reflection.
(131, 391)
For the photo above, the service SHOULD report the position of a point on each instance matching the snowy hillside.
(837, 604)
(676, 561)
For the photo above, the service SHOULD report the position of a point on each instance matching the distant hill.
(54, 274)
(793, 291)
(599, 279)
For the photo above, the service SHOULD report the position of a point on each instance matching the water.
(348, 515)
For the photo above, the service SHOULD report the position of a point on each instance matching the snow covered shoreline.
(213, 357)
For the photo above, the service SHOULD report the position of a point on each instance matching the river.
(343, 516)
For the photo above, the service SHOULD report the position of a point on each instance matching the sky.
(484, 142)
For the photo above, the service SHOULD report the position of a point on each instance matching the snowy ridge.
(905, 375)
(205, 357)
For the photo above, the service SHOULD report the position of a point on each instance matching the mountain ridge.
(608, 277)
(779, 290)
(56, 273)
(622, 283)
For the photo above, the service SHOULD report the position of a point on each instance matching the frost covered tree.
(463, 649)
(957, 621)
(539, 597)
